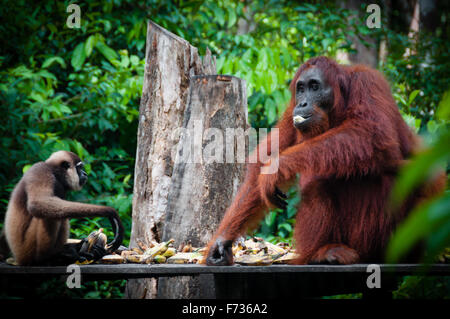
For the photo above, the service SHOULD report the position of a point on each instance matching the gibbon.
(37, 220)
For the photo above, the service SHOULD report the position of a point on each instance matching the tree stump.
(170, 101)
(203, 183)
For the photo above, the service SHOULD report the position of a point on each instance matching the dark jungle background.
(79, 90)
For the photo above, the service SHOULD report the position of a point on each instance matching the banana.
(159, 249)
(159, 259)
(170, 252)
(135, 259)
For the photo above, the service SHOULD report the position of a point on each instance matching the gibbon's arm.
(42, 203)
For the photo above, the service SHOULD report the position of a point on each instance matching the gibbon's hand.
(220, 253)
(96, 251)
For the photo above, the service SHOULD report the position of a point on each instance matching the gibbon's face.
(69, 169)
(313, 99)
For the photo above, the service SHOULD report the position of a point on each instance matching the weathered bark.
(175, 199)
(200, 192)
(198, 187)
(169, 63)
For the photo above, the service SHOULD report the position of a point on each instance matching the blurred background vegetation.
(79, 90)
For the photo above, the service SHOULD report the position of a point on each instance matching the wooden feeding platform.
(275, 281)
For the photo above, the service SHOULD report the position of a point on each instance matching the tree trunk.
(364, 54)
(169, 63)
(430, 14)
(203, 188)
(160, 185)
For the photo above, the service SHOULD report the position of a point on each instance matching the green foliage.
(55, 288)
(431, 220)
(74, 92)
(424, 72)
(279, 40)
(418, 287)
(278, 225)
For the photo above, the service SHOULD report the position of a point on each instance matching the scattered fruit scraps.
(251, 252)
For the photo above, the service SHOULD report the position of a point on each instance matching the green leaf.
(125, 61)
(47, 75)
(412, 122)
(49, 61)
(65, 109)
(412, 96)
(425, 220)
(286, 226)
(270, 218)
(219, 15)
(421, 167)
(231, 17)
(78, 56)
(134, 60)
(126, 179)
(271, 109)
(90, 44)
(443, 112)
(432, 126)
(107, 52)
(26, 168)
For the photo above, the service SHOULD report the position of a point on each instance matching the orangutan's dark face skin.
(313, 97)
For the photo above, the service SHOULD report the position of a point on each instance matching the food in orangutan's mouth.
(298, 119)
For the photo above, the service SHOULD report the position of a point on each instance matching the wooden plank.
(241, 282)
(144, 271)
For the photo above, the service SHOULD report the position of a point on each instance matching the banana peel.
(274, 250)
(185, 258)
(286, 258)
(84, 262)
(254, 260)
(112, 259)
(252, 252)
(11, 261)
